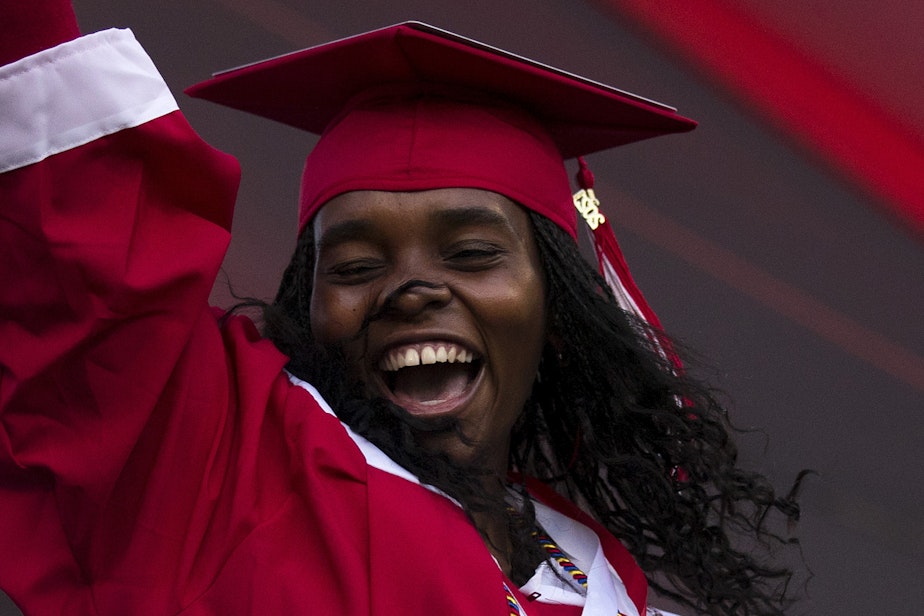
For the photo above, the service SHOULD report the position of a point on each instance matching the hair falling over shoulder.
(612, 424)
(647, 449)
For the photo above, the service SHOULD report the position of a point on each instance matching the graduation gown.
(154, 462)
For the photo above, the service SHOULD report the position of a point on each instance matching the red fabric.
(797, 93)
(380, 101)
(152, 463)
(392, 143)
(310, 88)
(30, 26)
(607, 248)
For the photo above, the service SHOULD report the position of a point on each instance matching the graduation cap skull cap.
(412, 107)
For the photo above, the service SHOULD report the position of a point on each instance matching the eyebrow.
(470, 216)
(454, 217)
(343, 231)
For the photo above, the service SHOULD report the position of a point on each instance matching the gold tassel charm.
(588, 205)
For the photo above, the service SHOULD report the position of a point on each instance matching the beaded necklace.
(573, 575)
(577, 577)
(512, 604)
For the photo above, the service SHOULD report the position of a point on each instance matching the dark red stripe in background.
(777, 77)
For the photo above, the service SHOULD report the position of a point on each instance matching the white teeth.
(427, 355)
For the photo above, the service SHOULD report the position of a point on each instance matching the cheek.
(520, 326)
(524, 305)
(519, 336)
(533, 328)
(336, 315)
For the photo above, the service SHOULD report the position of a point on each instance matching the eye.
(474, 255)
(355, 271)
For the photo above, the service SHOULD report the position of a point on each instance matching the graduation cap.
(413, 107)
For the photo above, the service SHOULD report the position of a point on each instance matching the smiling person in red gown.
(439, 369)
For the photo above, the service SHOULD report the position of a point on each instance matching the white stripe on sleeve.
(72, 94)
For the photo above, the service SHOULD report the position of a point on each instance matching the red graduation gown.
(152, 462)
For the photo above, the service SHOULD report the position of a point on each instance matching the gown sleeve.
(30, 27)
(114, 219)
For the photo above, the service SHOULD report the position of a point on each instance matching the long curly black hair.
(611, 423)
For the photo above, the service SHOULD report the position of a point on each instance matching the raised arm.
(114, 218)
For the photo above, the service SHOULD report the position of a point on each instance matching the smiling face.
(454, 280)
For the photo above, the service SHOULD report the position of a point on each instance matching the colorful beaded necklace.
(578, 577)
(574, 575)
(512, 604)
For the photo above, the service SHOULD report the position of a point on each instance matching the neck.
(494, 533)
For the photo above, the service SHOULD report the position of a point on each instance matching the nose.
(414, 296)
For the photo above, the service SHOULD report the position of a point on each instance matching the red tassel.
(612, 264)
(585, 177)
(615, 271)
(609, 257)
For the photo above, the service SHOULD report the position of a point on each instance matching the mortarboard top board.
(307, 89)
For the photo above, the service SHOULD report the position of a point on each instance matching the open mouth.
(430, 378)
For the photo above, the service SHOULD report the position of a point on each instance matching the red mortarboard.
(413, 107)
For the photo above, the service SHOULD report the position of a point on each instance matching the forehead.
(360, 213)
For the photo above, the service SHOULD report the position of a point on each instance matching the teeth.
(427, 355)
